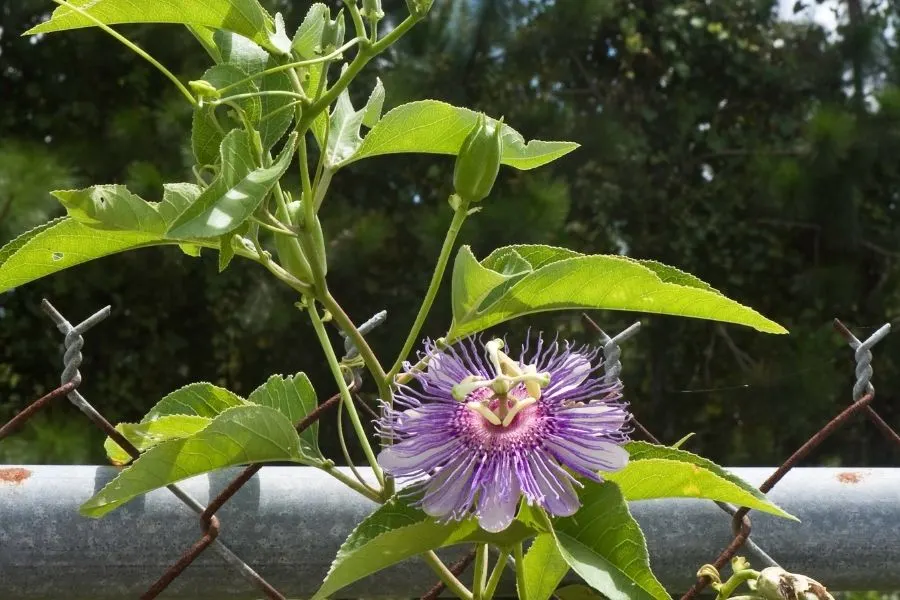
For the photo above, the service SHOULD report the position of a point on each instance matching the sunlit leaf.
(545, 568)
(240, 435)
(246, 17)
(561, 279)
(146, 435)
(111, 207)
(343, 132)
(200, 399)
(295, 398)
(433, 127)
(603, 544)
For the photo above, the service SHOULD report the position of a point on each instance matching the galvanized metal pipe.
(288, 523)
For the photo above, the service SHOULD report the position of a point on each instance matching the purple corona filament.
(482, 430)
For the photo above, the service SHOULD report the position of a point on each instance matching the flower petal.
(498, 502)
(603, 456)
(449, 489)
(401, 460)
(559, 497)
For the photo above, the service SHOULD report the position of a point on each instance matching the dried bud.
(775, 583)
(371, 10)
(478, 161)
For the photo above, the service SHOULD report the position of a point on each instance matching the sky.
(820, 13)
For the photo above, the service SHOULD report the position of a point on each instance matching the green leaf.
(240, 435)
(17, 243)
(433, 127)
(111, 207)
(240, 52)
(343, 132)
(577, 592)
(220, 209)
(603, 544)
(545, 568)
(562, 279)
(200, 399)
(207, 126)
(472, 282)
(295, 398)
(307, 40)
(397, 531)
(246, 17)
(146, 435)
(664, 472)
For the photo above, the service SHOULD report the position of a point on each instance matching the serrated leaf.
(246, 17)
(664, 472)
(220, 210)
(13, 246)
(472, 282)
(545, 568)
(343, 131)
(397, 531)
(307, 40)
(433, 127)
(240, 435)
(111, 207)
(207, 130)
(146, 435)
(295, 398)
(563, 280)
(603, 544)
(199, 399)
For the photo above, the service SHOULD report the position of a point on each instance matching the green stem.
(479, 579)
(453, 584)
(293, 65)
(346, 398)
(352, 483)
(735, 581)
(346, 451)
(133, 47)
(458, 217)
(293, 95)
(357, 19)
(494, 579)
(520, 571)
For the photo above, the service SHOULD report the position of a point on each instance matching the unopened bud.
(372, 10)
(333, 33)
(478, 161)
(203, 89)
(775, 583)
(419, 8)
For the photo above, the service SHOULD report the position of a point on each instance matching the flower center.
(491, 398)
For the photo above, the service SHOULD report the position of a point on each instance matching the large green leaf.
(295, 398)
(240, 435)
(545, 568)
(199, 399)
(397, 531)
(146, 435)
(433, 127)
(246, 17)
(663, 472)
(111, 207)
(603, 544)
(221, 209)
(561, 279)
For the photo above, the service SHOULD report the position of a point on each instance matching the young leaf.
(220, 210)
(206, 128)
(663, 472)
(111, 207)
(433, 127)
(604, 545)
(565, 280)
(146, 435)
(246, 17)
(307, 40)
(545, 568)
(240, 435)
(295, 398)
(472, 282)
(397, 531)
(343, 133)
(200, 399)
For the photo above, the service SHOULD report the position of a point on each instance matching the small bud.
(204, 89)
(372, 10)
(478, 161)
(775, 583)
(419, 8)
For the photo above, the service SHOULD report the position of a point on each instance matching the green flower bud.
(478, 161)
(419, 8)
(203, 89)
(372, 10)
(290, 254)
(333, 33)
(775, 583)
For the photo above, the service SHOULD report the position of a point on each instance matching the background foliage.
(757, 153)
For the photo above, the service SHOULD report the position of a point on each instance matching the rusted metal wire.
(457, 569)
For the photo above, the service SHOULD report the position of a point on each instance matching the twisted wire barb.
(71, 379)
(350, 349)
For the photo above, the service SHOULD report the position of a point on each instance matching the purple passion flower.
(482, 430)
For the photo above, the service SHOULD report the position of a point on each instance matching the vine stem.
(479, 580)
(346, 398)
(494, 579)
(453, 584)
(520, 571)
(459, 216)
(133, 47)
